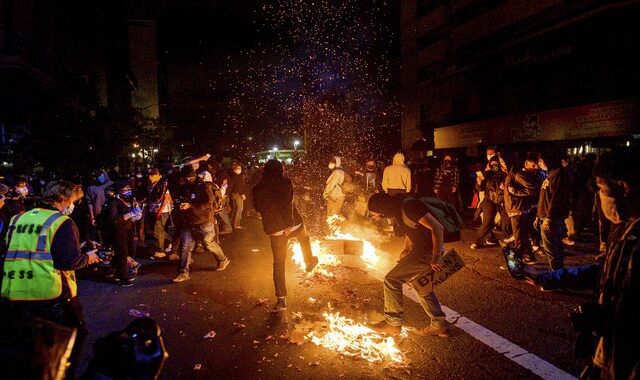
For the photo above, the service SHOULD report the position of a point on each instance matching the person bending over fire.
(424, 247)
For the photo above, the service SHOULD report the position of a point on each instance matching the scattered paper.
(210, 334)
(139, 313)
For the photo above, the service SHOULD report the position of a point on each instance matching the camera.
(105, 254)
(587, 321)
(137, 352)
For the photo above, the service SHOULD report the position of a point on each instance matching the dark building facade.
(478, 73)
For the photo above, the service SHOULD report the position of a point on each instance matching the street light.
(295, 144)
(275, 148)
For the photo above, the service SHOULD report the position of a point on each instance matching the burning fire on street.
(344, 335)
(357, 340)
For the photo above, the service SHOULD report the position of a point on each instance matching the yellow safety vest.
(28, 273)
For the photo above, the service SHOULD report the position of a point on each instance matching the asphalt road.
(251, 342)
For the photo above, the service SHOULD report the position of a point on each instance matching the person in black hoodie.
(273, 199)
(122, 213)
(195, 205)
(520, 199)
(553, 209)
(492, 184)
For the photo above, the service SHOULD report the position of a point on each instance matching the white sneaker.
(158, 255)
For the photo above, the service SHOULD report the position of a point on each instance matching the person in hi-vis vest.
(43, 252)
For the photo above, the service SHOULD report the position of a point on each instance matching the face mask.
(371, 168)
(23, 191)
(238, 171)
(489, 157)
(138, 175)
(68, 210)
(332, 166)
(610, 208)
(102, 179)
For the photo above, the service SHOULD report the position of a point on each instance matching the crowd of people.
(168, 210)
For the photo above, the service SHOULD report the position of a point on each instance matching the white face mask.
(489, 157)
(332, 166)
(68, 210)
(237, 171)
(609, 208)
(23, 191)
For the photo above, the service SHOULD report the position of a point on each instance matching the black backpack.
(444, 213)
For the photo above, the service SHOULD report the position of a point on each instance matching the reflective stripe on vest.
(28, 272)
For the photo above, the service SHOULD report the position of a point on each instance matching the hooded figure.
(333, 190)
(396, 178)
(273, 199)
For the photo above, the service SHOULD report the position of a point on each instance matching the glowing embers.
(325, 259)
(354, 339)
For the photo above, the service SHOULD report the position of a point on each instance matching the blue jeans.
(407, 269)
(238, 207)
(552, 232)
(206, 233)
(584, 277)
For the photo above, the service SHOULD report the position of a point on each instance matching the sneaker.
(238, 227)
(432, 330)
(174, 257)
(313, 264)
(223, 265)
(110, 276)
(126, 283)
(475, 246)
(386, 328)
(568, 241)
(490, 243)
(158, 255)
(181, 277)
(535, 247)
(281, 305)
(168, 249)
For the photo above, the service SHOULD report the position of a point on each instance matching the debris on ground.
(209, 335)
(139, 313)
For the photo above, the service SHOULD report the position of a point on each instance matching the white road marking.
(501, 345)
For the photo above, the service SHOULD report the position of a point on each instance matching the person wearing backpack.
(334, 192)
(424, 248)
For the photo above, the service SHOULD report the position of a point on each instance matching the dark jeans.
(604, 225)
(522, 225)
(279, 245)
(489, 212)
(206, 233)
(574, 278)
(123, 247)
(68, 313)
(552, 232)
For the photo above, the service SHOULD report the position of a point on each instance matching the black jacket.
(201, 198)
(273, 199)
(521, 191)
(555, 196)
(237, 184)
(491, 186)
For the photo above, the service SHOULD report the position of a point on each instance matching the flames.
(357, 340)
(326, 259)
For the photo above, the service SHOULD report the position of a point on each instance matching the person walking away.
(96, 197)
(123, 215)
(333, 193)
(196, 223)
(157, 211)
(521, 196)
(40, 263)
(424, 247)
(273, 199)
(396, 178)
(492, 184)
(238, 190)
(553, 209)
(447, 182)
